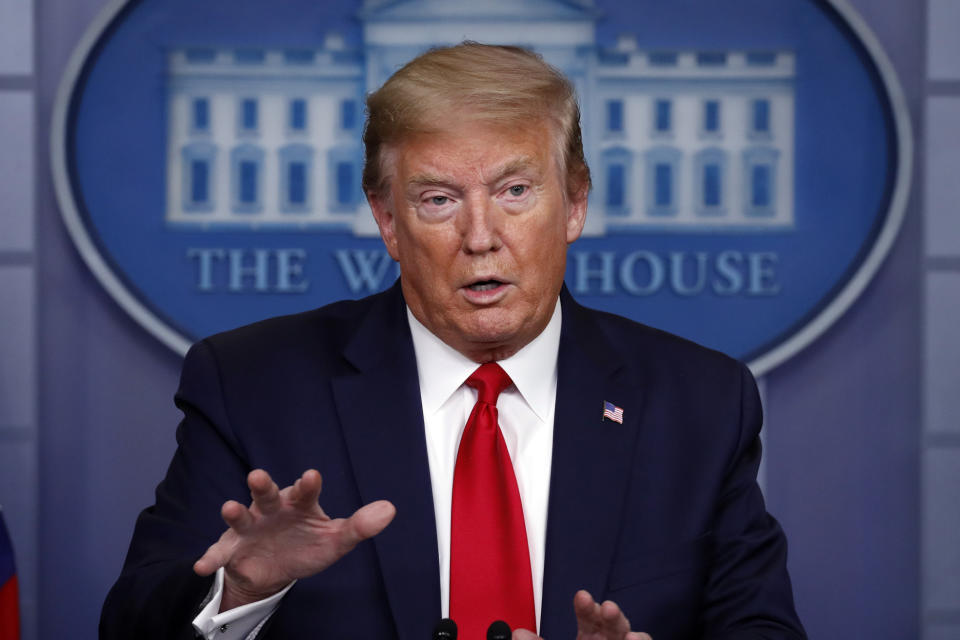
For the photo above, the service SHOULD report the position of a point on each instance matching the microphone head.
(446, 629)
(499, 630)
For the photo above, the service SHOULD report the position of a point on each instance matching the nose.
(481, 225)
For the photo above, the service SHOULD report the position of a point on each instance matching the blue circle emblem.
(751, 159)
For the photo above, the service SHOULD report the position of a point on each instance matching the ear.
(382, 207)
(577, 213)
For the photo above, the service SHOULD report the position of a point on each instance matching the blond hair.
(497, 84)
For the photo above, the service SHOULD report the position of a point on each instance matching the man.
(625, 458)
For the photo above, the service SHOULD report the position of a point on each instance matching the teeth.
(485, 286)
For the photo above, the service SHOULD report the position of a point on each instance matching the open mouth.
(485, 285)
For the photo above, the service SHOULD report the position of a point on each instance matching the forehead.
(480, 150)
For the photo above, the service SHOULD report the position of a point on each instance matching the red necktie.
(489, 558)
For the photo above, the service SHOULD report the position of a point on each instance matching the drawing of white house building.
(677, 140)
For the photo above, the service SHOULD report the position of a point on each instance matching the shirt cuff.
(239, 623)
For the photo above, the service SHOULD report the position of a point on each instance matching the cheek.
(547, 259)
(547, 242)
(424, 255)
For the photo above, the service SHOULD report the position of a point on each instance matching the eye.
(439, 200)
(517, 190)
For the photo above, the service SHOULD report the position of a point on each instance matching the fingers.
(523, 634)
(368, 521)
(613, 619)
(606, 618)
(239, 519)
(216, 556)
(583, 601)
(305, 492)
(277, 519)
(264, 491)
(237, 516)
(269, 499)
(269, 503)
(587, 612)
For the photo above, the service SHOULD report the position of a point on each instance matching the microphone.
(499, 630)
(446, 629)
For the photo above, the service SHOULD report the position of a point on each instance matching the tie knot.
(489, 380)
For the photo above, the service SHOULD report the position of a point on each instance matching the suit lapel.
(590, 467)
(382, 422)
(381, 416)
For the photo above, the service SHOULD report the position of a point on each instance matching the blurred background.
(862, 443)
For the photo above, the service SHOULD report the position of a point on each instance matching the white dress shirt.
(526, 420)
(526, 412)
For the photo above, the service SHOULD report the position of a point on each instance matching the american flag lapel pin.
(613, 412)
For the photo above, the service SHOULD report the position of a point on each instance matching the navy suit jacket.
(661, 514)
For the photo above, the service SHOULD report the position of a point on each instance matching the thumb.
(523, 634)
(369, 520)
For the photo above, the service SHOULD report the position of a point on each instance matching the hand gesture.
(282, 536)
(595, 621)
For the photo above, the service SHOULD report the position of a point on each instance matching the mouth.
(485, 285)
(485, 291)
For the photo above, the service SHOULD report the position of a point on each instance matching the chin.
(491, 325)
(486, 338)
(493, 344)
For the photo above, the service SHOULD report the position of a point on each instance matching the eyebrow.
(517, 165)
(428, 180)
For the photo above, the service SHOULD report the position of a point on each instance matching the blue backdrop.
(843, 446)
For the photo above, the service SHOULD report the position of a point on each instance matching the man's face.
(479, 219)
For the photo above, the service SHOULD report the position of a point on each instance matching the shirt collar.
(442, 369)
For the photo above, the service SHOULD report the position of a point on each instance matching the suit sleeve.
(749, 595)
(158, 594)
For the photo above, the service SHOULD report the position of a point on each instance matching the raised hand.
(282, 536)
(595, 621)
(602, 621)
